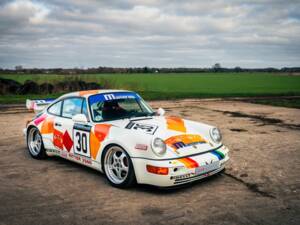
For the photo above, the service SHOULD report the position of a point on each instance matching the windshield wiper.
(131, 116)
(143, 114)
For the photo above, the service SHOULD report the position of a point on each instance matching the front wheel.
(35, 144)
(118, 167)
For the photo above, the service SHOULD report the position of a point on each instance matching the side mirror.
(79, 118)
(160, 112)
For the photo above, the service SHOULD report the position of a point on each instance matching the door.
(68, 137)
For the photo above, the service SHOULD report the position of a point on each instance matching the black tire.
(129, 180)
(37, 152)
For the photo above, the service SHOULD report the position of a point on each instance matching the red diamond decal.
(68, 143)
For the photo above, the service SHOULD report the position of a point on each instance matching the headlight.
(215, 135)
(159, 147)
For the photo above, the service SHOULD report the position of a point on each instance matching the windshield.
(118, 105)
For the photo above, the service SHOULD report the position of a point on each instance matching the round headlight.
(215, 135)
(159, 147)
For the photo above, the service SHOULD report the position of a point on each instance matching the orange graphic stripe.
(100, 133)
(176, 123)
(47, 126)
(188, 162)
(95, 145)
(89, 92)
(184, 138)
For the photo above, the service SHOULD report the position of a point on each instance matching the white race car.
(117, 133)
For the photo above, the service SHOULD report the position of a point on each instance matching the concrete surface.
(261, 184)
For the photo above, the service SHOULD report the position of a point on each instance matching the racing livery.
(116, 132)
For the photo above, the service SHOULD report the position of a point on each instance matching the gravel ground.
(261, 184)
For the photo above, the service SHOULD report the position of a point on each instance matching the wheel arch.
(42, 154)
(29, 128)
(104, 151)
(131, 179)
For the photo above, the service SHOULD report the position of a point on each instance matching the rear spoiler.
(38, 104)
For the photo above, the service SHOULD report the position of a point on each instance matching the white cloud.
(34, 12)
(149, 32)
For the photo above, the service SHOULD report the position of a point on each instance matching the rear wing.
(38, 104)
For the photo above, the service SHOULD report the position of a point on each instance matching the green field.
(184, 85)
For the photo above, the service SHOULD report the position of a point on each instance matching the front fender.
(128, 142)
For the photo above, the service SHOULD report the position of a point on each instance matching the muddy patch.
(253, 187)
(263, 120)
(152, 211)
(238, 130)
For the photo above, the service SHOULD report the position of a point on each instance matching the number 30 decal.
(81, 142)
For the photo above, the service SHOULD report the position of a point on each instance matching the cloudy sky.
(166, 33)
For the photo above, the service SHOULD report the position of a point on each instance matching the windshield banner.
(113, 96)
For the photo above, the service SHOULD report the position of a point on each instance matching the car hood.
(183, 137)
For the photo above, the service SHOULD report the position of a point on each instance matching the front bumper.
(204, 165)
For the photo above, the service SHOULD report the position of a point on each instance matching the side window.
(55, 109)
(71, 107)
(84, 109)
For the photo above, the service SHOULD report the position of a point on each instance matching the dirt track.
(260, 186)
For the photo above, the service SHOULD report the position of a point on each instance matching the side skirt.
(75, 158)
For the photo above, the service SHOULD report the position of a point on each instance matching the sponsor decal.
(80, 159)
(109, 97)
(58, 139)
(147, 128)
(61, 140)
(83, 127)
(73, 156)
(182, 176)
(141, 147)
(112, 96)
(87, 161)
(176, 123)
(207, 168)
(44, 101)
(64, 154)
(185, 140)
(203, 170)
(58, 152)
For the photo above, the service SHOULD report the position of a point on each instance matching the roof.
(88, 93)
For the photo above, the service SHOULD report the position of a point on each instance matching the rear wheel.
(118, 167)
(35, 144)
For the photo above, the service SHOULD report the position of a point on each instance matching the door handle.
(58, 124)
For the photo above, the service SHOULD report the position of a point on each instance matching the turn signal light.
(157, 170)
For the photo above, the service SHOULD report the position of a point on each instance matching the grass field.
(186, 85)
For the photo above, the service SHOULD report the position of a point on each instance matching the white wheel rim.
(34, 142)
(116, 165)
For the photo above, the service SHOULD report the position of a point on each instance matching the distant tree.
(217, 67)
(145, 69)
(19, 67)
(238, 69)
